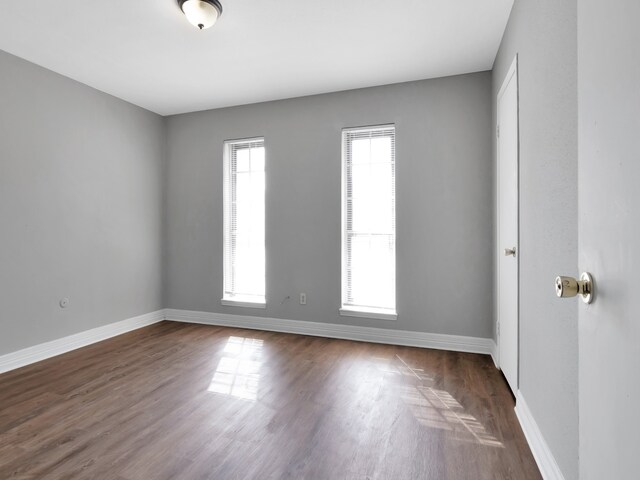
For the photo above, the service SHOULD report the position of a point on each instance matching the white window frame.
(345, 308)
(227, 298)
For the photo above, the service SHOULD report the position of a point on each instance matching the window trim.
(358, 310)
(243, 303)
(235, 300)
(364, 312)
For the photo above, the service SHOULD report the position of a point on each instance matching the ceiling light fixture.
(201, 13)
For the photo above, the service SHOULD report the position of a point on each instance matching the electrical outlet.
(303, 299)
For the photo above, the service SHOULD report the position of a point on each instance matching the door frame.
(513, 70)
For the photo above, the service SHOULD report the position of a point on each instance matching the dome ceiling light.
(201, 13)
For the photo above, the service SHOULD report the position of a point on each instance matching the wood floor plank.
(180, 401)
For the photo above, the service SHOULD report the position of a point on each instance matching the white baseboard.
(43, 351)
(544, 458)
(495, 355)
(30, 355)
(331, 330)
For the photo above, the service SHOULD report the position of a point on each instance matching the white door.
(609, 237)
(508, 226)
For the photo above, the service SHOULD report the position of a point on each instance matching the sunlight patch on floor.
(238, 371)
(436, 408)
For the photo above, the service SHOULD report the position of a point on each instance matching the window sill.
(376, 313)
(241, 303)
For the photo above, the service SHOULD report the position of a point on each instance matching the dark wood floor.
(177, 401)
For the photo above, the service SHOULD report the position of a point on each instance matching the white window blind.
(369, 221)
(244, 224)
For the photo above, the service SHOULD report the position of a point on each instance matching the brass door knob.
(570, 287)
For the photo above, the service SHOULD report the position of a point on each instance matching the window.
(244, 207)
(369, 222)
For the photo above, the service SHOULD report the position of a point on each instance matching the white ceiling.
(145, 51)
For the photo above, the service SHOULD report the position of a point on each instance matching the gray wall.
(543, 34)
(444, 203)
(80, 206)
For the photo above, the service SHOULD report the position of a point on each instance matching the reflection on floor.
(238, 371)
(436, 408)
(238, 375)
